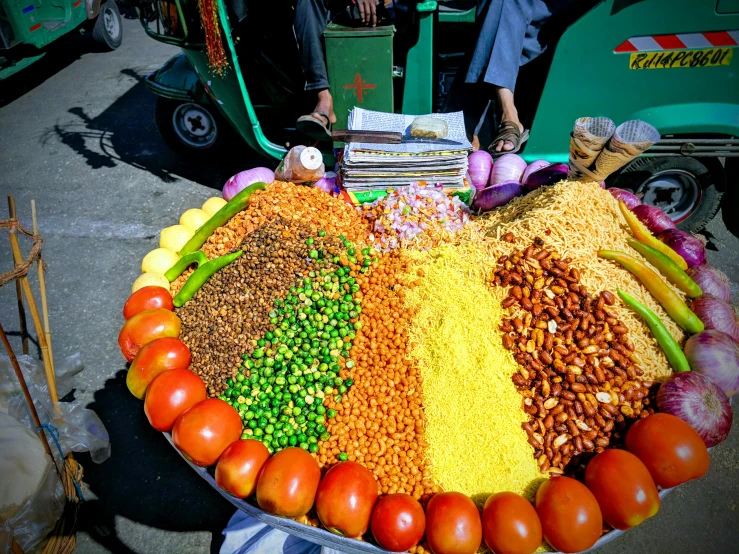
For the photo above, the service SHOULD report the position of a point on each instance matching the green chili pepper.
(201, 275)
(669, 346)
(670, 301)
(667, 267)
(198, 257)
(221, 217)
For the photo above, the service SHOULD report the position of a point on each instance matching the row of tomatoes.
(620, 486)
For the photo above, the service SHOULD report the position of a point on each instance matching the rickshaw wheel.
(187, 126)
(108, 29)
(687, 189)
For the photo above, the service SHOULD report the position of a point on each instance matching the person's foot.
(325, 106)
(318, 123)
(510, 141)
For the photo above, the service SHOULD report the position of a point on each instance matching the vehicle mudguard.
(693, 119)
(177, 80)
(92, 7)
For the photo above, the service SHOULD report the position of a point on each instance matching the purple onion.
(240, 181)
(509, 167)
(711, 281)
(715, 355)
(536, 165)
(654, 218)
(497, 195)
(546, 176)
(479, 163)
(700, 402)
(327, 183)
(626, 196)
(690, 248)
(716, 314)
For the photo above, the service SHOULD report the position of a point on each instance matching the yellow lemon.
(150, 280)
(175, 237)
(158, 260)
(194, 218)
(212, 205)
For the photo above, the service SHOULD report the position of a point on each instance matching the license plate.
(672, 59)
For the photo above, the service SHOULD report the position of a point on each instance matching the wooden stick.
(24, 388)
(42, 287)
(50, 377)
(19, 290)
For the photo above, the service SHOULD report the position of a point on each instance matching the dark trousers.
(311, 19)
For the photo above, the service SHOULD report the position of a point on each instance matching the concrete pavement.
(78, 136)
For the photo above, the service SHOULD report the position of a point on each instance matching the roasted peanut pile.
(231, 310)
(379, 422)
(295, 203)
(578, 378)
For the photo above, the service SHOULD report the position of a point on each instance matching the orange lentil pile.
(380, 421)
(293, 203)
(307, 205)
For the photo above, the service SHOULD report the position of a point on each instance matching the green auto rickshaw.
(28, 27)
(668, 62)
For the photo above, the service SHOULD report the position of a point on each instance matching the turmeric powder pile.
(473, 413)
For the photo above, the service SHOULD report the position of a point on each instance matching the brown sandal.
(313, 127)
(508, 132)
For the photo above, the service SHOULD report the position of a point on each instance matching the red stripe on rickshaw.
(36, 27)
(625, 47)
(720, 38)
(669, 42)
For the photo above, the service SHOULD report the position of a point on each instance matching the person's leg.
(311, 20)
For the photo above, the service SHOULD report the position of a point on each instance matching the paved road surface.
(78, 136)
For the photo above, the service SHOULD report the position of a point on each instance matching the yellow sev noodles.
(581, 218)
(473, 411)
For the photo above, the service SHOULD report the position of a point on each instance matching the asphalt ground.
(77, 134)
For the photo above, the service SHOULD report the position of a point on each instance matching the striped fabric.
(679, 41)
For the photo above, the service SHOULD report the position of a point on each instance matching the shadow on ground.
(144, 480)
(125, 133)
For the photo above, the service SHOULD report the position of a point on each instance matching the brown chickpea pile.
(578, 375)
(379, 422)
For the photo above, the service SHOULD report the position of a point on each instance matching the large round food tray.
(323, 537)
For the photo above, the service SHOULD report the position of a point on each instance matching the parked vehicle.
(28, 27)
(668, 62)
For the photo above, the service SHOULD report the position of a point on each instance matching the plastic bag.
(302, 164)
(40, 498)
(33, 372)
(80, 429)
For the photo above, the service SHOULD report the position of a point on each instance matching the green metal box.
(360, 69)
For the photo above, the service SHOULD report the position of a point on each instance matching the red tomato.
(623, 487)
(398, 522)
(570, 516)
(239, 466)
(170, 394)
(147, 298)
(144, 327)
(670, 448)
(288, 483)
(453, 524)
(204, 431)
(510, 524)
(345, 499)
(155, 357)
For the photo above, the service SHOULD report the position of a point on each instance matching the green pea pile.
(280, 389)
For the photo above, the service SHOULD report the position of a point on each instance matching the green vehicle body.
(27, 27)
(586, 78)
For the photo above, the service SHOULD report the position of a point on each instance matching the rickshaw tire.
(708, 172)
(163, 112)
(100, 34)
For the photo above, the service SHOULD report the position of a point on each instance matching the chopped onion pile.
(418, 215)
